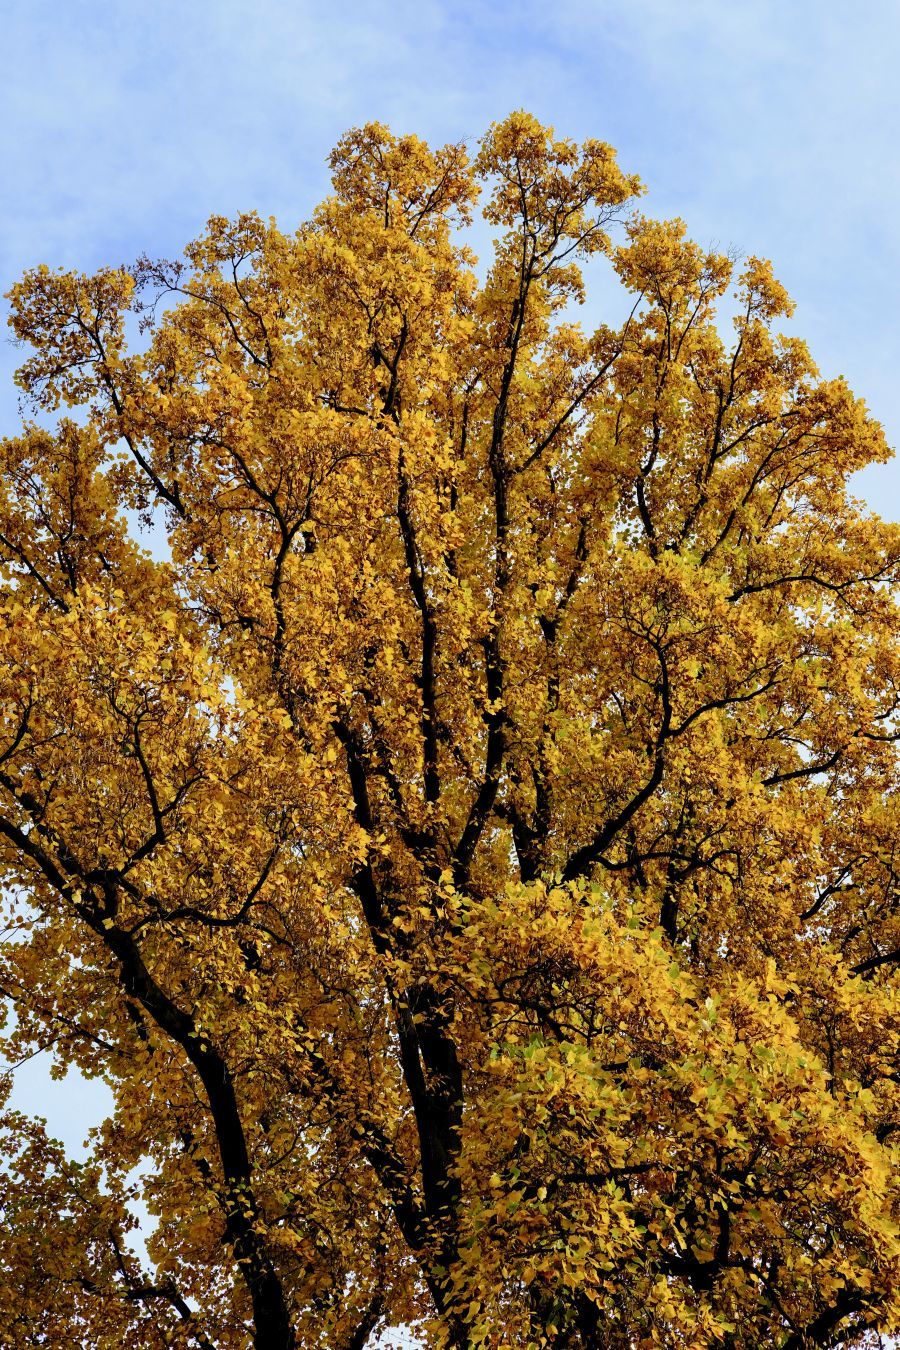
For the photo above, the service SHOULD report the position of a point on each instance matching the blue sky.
(768, 126)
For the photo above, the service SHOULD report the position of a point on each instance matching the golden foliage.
(471, 858)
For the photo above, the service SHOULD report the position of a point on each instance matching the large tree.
(471, 856)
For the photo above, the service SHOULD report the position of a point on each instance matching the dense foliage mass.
(471, 857)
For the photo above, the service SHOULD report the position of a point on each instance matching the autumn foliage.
(470, 856)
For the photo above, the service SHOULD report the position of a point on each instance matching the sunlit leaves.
(471, 858)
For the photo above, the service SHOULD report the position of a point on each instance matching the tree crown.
(470, 855)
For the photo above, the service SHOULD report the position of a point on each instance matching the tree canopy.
(470, 855)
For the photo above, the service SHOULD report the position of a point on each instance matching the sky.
(769, 127)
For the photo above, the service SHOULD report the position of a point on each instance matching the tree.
(471, 858)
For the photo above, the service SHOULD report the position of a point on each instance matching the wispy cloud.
(767, 126)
